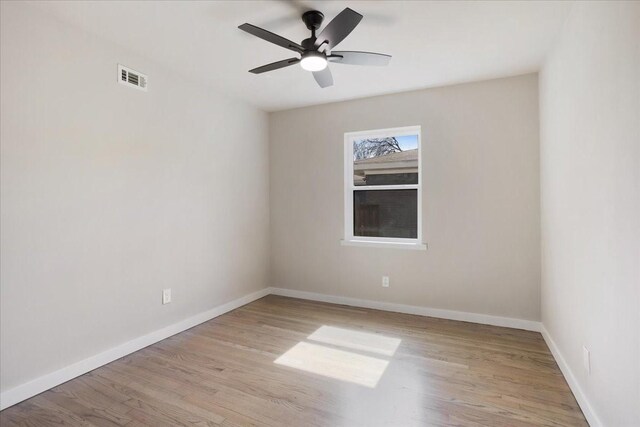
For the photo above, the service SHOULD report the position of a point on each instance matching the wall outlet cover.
(166, 296)
(586, 359)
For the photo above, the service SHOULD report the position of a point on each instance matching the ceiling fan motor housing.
(308, 44)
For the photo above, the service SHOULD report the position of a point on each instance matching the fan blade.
(272, 38)
(324, 77)
(338, 28)
(275, 65)
(359, 58)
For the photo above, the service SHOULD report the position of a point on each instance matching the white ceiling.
(432, 43)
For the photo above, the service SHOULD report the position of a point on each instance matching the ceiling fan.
(316, 52)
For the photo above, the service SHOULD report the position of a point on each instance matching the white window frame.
(349, 188)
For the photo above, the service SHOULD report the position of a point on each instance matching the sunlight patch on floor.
(356, 340)
(333, 363)
(342, 354)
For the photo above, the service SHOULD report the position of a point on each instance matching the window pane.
(385, 213)
(385, 161)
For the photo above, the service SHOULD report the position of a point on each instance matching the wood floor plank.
(231, 372)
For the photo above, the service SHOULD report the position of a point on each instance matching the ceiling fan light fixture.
(313, 61)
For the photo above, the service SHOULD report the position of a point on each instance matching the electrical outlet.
(385, 281)
(166, 296)
(586, 359)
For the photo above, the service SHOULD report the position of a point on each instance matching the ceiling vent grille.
(132, 78)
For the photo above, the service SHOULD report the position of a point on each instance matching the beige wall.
(110, 195)
(590, 170)
(481, 200)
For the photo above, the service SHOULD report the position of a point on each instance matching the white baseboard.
(579, 394)
(38, 385)
(508, 322)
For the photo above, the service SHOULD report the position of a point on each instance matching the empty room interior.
(320, 213)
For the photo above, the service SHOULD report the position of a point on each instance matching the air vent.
(132, 78)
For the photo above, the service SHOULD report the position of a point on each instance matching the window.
(383, 201)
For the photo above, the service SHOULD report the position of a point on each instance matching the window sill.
(375, 244)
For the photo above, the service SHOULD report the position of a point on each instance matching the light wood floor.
(364, 368)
